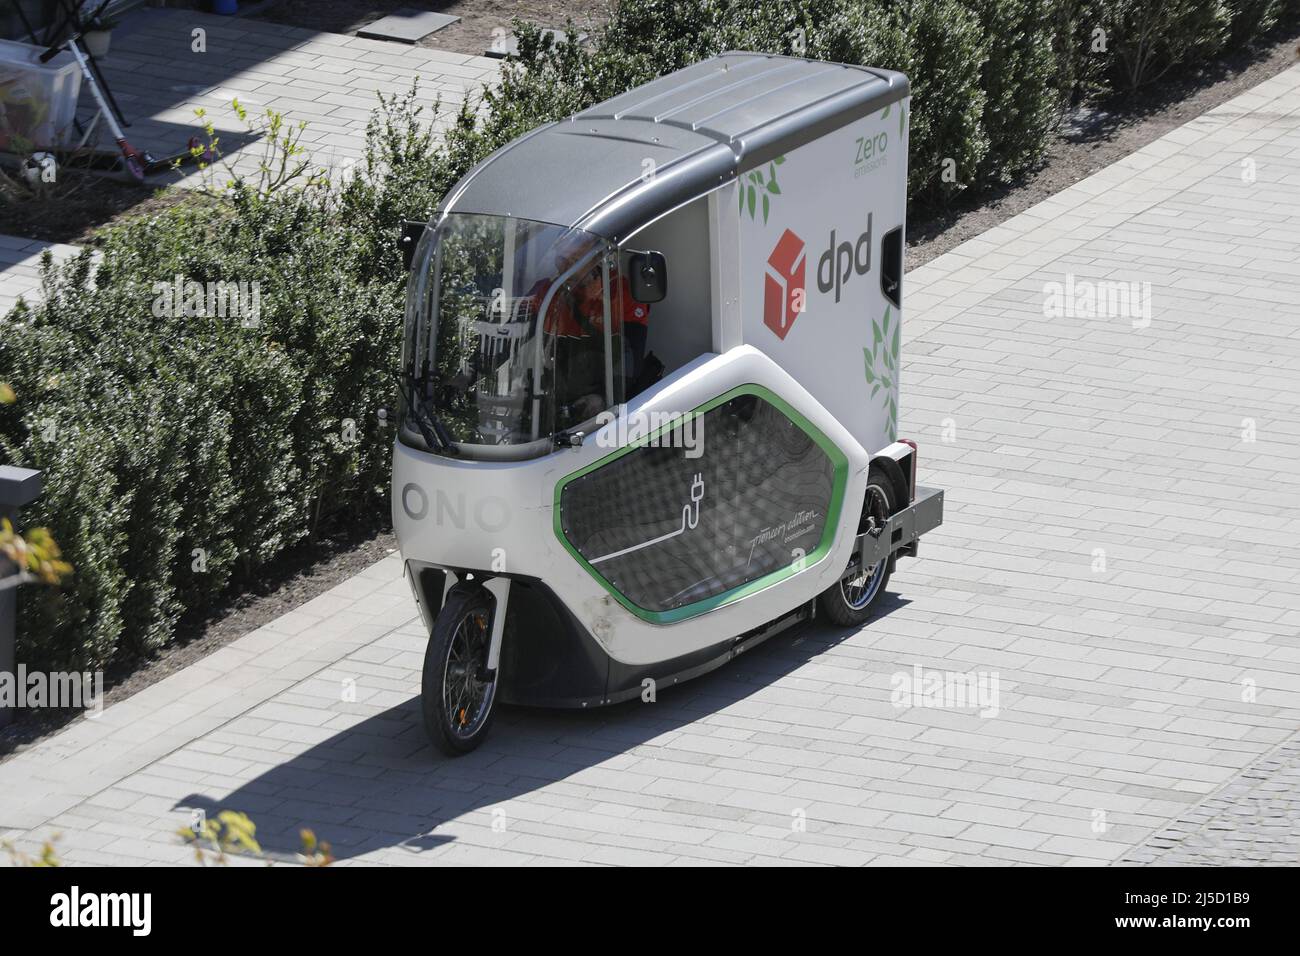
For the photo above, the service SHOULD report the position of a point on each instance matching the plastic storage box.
(38, 101)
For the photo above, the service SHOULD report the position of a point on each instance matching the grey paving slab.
(1120, 552)
(20, 268)
(407, 26)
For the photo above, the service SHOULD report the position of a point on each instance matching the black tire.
(458, 704)
(850, 600)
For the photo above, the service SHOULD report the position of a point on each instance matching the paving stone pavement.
(1120, 551)
(20, 267)
(160, 71)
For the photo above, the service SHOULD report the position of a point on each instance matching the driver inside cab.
(576, 320)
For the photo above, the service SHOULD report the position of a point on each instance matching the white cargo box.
(38, 101)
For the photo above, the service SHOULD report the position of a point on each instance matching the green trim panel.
(839, 467)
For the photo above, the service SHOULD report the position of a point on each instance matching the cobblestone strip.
(1253, 820)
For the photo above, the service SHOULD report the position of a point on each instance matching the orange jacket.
(584, 302)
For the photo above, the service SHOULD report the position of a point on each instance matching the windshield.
(509, 338)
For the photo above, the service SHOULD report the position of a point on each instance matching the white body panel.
(849, 181)
(499, 516)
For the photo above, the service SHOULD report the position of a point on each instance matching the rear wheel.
(458, 694)
(849, 601)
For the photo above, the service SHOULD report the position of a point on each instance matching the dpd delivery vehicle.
(650, 388)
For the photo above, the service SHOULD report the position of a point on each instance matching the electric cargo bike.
(650, 388)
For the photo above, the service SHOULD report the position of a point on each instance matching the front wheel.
(458, 693)
(849, 601)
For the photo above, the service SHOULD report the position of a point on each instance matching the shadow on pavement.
(380, 784)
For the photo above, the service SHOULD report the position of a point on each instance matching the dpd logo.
(783, 286)
(838, 263)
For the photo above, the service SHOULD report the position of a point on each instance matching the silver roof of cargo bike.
(701, 127)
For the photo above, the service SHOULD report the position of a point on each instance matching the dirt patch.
(82, 203)
(480, 20)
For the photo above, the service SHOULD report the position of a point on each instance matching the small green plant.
(214, 838)
(231, 832)
(284, 161)
(35, 555)
(46, 858)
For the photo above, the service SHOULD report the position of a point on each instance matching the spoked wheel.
(849, 601)
(458, 692)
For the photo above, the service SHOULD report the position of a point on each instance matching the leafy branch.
(234, 833)
(47, 856)
(36, 556)
(284, 160)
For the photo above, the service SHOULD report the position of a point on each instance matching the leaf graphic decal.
(902, 121)
(885, 114)
(760, 185)
(883, 352)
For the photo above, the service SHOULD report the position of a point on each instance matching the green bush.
(1249, 19)
(1080, 49)
(988, 76)
(183, 452)
(1018, 80)
(941, 47)
(1146, 40)
(947, 51)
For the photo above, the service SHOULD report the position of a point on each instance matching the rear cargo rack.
(925, 513)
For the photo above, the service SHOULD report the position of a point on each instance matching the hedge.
(185, 452)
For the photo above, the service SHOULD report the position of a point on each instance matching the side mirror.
(648, 272)
(411, 233)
